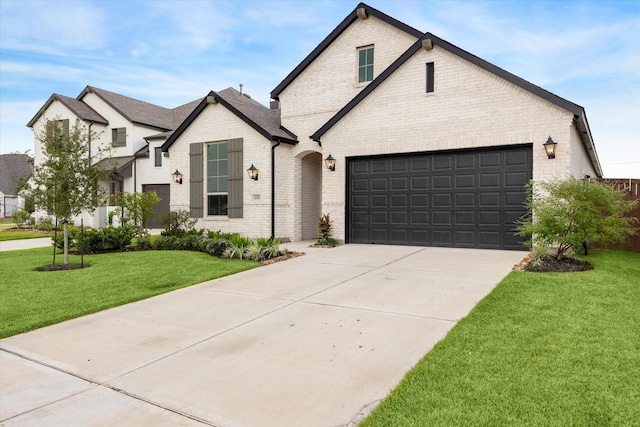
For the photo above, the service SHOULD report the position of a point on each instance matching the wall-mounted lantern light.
(253, 172)
(330, 162)
(550, 148)
(177, 177)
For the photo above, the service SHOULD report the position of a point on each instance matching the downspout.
(273, 190)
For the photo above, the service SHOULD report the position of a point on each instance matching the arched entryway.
(311, 195)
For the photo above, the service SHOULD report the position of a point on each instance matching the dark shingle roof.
(134, 110)
(264, 120)
(12, 168)
(79, 108)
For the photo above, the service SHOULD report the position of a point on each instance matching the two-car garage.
(461, 198)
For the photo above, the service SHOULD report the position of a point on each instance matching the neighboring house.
(133, 129)
(13, 168)
(431, 145)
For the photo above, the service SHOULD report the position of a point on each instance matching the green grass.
(31, 299)
(20, 235)
(543, 349)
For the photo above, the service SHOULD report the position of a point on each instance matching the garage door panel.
(442, 182)
(465, 181)
(441, 200)
(465, 199)
(379, 184)
(419, 218)
(360, 185)
(400, 184)
(468, 198)
(419, 183)
(399, 201)
(515, 179)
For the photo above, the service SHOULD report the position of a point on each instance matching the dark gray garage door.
(162, 208)
(466, 198)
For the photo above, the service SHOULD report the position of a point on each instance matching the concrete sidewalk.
(311, 341)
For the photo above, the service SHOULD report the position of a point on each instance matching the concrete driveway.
(312, 341)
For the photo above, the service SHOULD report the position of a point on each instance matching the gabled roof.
(79, 108)
(264, 120)
(12, 168)
(334, 35)
(136, 111)
(579, 113)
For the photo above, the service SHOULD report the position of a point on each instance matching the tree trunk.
(66, 242)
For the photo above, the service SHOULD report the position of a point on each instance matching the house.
(400, 136)
(134, 130)
(13, 168)
(429, 144)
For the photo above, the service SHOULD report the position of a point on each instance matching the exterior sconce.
(330, 162)
(253, 172)
(177, 177)
(550, 148)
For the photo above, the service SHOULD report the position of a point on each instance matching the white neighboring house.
(133, 129)
(13, 167)
(430, 145)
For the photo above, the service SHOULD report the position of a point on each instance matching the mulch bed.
(62, 267)
(551, 265)
(284, 257)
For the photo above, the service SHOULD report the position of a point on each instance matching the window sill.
(217, 218)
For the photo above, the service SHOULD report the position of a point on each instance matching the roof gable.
(79, 108)
(334, 35)
(136, 111)
(264, 120)
(429, 39)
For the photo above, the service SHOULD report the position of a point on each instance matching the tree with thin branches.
(67, 181)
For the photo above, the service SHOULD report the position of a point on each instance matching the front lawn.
(31, 299)
(543, 349)
(20, 235)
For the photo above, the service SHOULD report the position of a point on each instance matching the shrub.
(178, 223)
(329, 241)
(20, 217)
(105, 239)
(571, 212)
(45, 223)
(143, 242)
(325, 225)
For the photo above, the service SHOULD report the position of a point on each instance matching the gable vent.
(362, 13)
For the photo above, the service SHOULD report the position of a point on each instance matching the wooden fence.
(631, 189)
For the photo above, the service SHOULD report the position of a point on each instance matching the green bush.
(20, 217)
(45, 223)
(105, 239)
(570, 212)
(178, 223)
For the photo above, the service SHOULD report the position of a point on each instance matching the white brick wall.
(469, 108)
(216, 123)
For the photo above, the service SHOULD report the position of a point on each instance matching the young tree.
(66, 182)
(571, 212)
(137, 207)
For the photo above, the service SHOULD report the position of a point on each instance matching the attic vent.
(362, 13)
(211, 99)
(274, 104)
(427, 44)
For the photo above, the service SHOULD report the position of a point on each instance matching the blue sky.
(172, 52)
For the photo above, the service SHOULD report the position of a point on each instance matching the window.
(119, 137)
(63, 126)
(217, 189)
(430, 77)
(158, 156)
(365, 64)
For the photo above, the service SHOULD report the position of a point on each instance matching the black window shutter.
(235, 177)
(196, 173)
